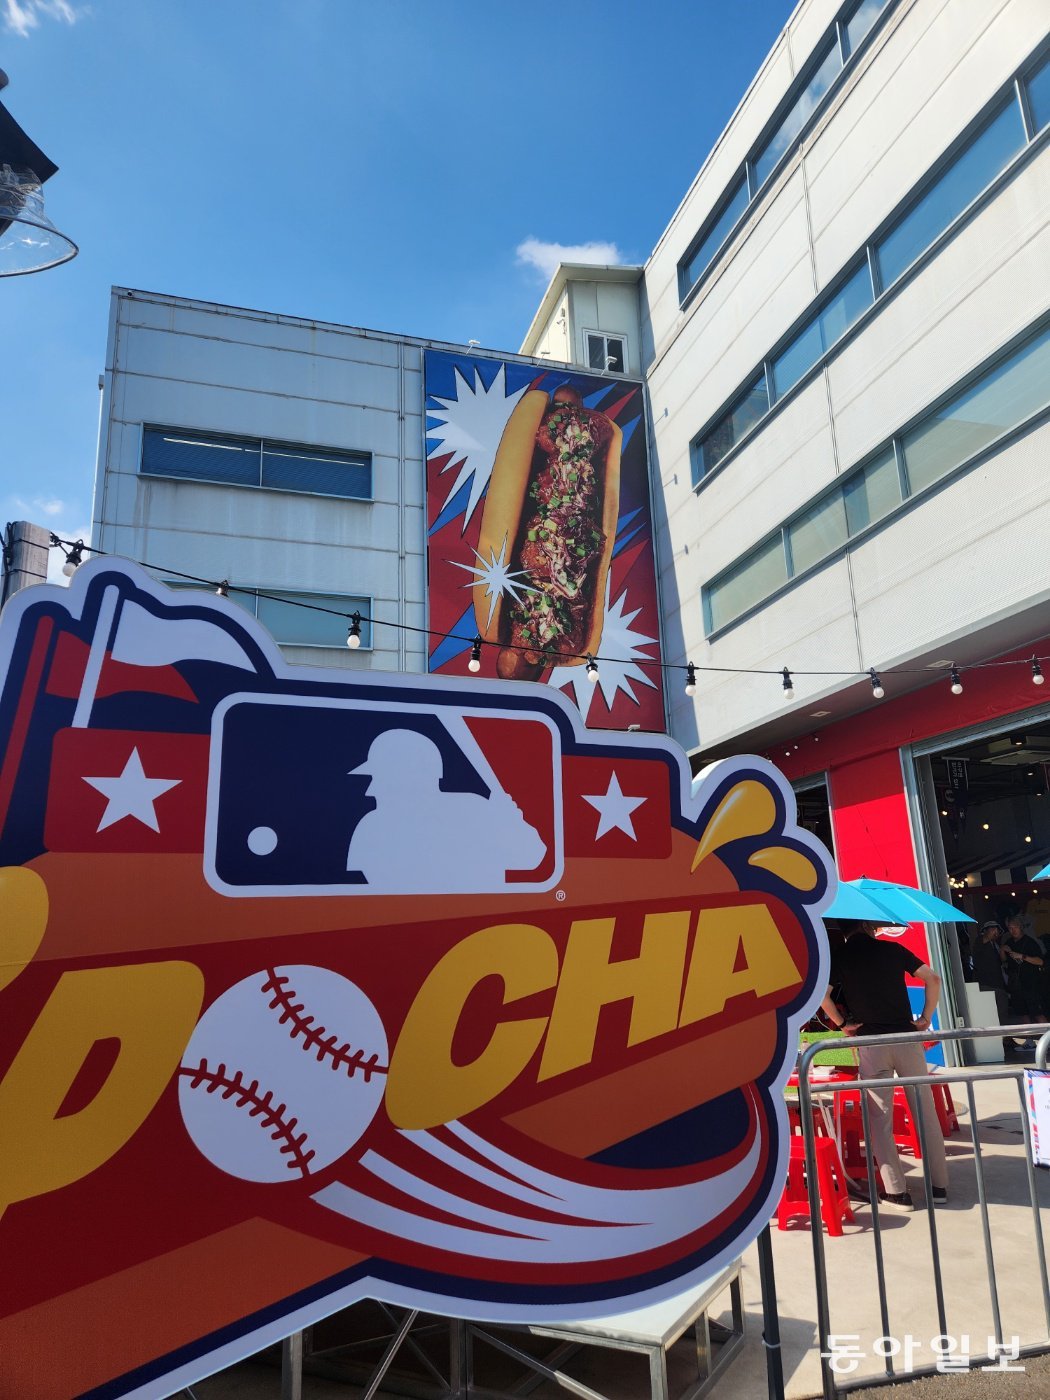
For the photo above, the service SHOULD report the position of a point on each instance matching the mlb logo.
(311, 795)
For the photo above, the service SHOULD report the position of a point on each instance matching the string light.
(74, 559)
(353, 637)
(75, 550)
(474, 664)
(690, 680)
(876, 684)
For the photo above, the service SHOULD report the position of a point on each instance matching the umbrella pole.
(770, 1317)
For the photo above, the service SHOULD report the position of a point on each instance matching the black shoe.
(901, 1201)
(940, 1195)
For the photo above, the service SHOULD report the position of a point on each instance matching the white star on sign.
(614, 809)
(131, 794)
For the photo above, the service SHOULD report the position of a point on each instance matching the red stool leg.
(905, 1132)
(834, 1203)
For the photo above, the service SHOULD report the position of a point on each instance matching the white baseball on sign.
(283, 1074)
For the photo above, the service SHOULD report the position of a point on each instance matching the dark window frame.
(260, 445)
(835, 33)
(1005, 352)
(240, 592)
(883, 296)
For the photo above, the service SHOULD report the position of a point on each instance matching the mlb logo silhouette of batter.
(422, 840)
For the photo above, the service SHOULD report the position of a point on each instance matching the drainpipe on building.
(26, 549)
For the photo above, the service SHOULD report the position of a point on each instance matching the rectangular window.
(1038, 86)
(704, 252)
(798, 113)
(293, 625)
(1002, 399)
(606, 352)
(860, 22)
(753, 579)
(752, 405)
(818, 533)
(824, 328)
(196, 458)
(872, 493)
(972, 169)
(191, 456)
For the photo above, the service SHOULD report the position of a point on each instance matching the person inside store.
(871, 999)
(989, 956)
(1023, 960)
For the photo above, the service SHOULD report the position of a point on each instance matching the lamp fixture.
(690, 680)
(353, 638)
(74, 559)
(474, 664)
(789, 689)
(957, 686)
(876, 685)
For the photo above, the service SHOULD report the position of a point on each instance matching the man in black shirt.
(1023, 960)
(869, 973)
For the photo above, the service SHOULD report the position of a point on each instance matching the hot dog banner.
(315, 989)
(540, 538)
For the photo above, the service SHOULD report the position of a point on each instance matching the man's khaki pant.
(879, 1062)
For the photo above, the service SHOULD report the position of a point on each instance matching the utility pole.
(26, 549)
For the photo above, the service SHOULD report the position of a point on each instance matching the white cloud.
(54, 506)
(20, 16)
(545, 257)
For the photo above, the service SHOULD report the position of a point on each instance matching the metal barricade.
(832, 1385)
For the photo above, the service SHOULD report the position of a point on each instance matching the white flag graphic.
(145, 640)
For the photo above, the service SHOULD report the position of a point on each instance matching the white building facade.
(845, 333)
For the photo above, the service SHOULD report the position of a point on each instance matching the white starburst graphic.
(497, 577)
(471, 429)
(619, 649)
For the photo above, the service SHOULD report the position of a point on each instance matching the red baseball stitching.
(316, 1037)
(233, 1086)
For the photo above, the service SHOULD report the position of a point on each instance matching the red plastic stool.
(831, 1183)
(942, 1100)
(849, 1123)
(794, 1108)
(905, 1132)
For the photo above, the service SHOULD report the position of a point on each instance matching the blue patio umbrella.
(851, 903)
(1043, 874)
(895, 904)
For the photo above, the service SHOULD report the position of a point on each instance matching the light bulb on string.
(957, 685)
(876, 685)
(592, 669)
(223, 589)
(353, 637)
(1037, 672)
(474, 664)
(74, 559)
(690, 680)
(789, 689)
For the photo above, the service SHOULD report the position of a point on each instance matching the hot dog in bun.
(551, 511)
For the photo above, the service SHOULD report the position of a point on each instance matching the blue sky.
(397, 164)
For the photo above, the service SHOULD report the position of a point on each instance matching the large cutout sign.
(315, 987)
